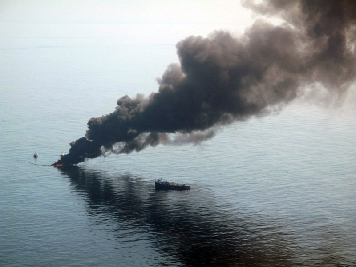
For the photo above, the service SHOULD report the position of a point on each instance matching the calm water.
(271, 191)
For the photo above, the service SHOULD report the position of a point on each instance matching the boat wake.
(39, 164)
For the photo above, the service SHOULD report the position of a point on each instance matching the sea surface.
(276, 190)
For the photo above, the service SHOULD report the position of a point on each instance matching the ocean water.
(277, 190)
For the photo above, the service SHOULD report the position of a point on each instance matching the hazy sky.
(138, 21)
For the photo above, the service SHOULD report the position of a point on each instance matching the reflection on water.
(189, 228)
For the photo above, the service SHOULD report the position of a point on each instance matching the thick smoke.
(221, 79)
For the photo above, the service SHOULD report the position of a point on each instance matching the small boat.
(164, 185)
(35, 155)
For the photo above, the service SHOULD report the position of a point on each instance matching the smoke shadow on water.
(187, 227)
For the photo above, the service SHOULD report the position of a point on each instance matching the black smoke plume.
(221, 79)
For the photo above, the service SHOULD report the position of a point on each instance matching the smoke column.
(221, 79)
